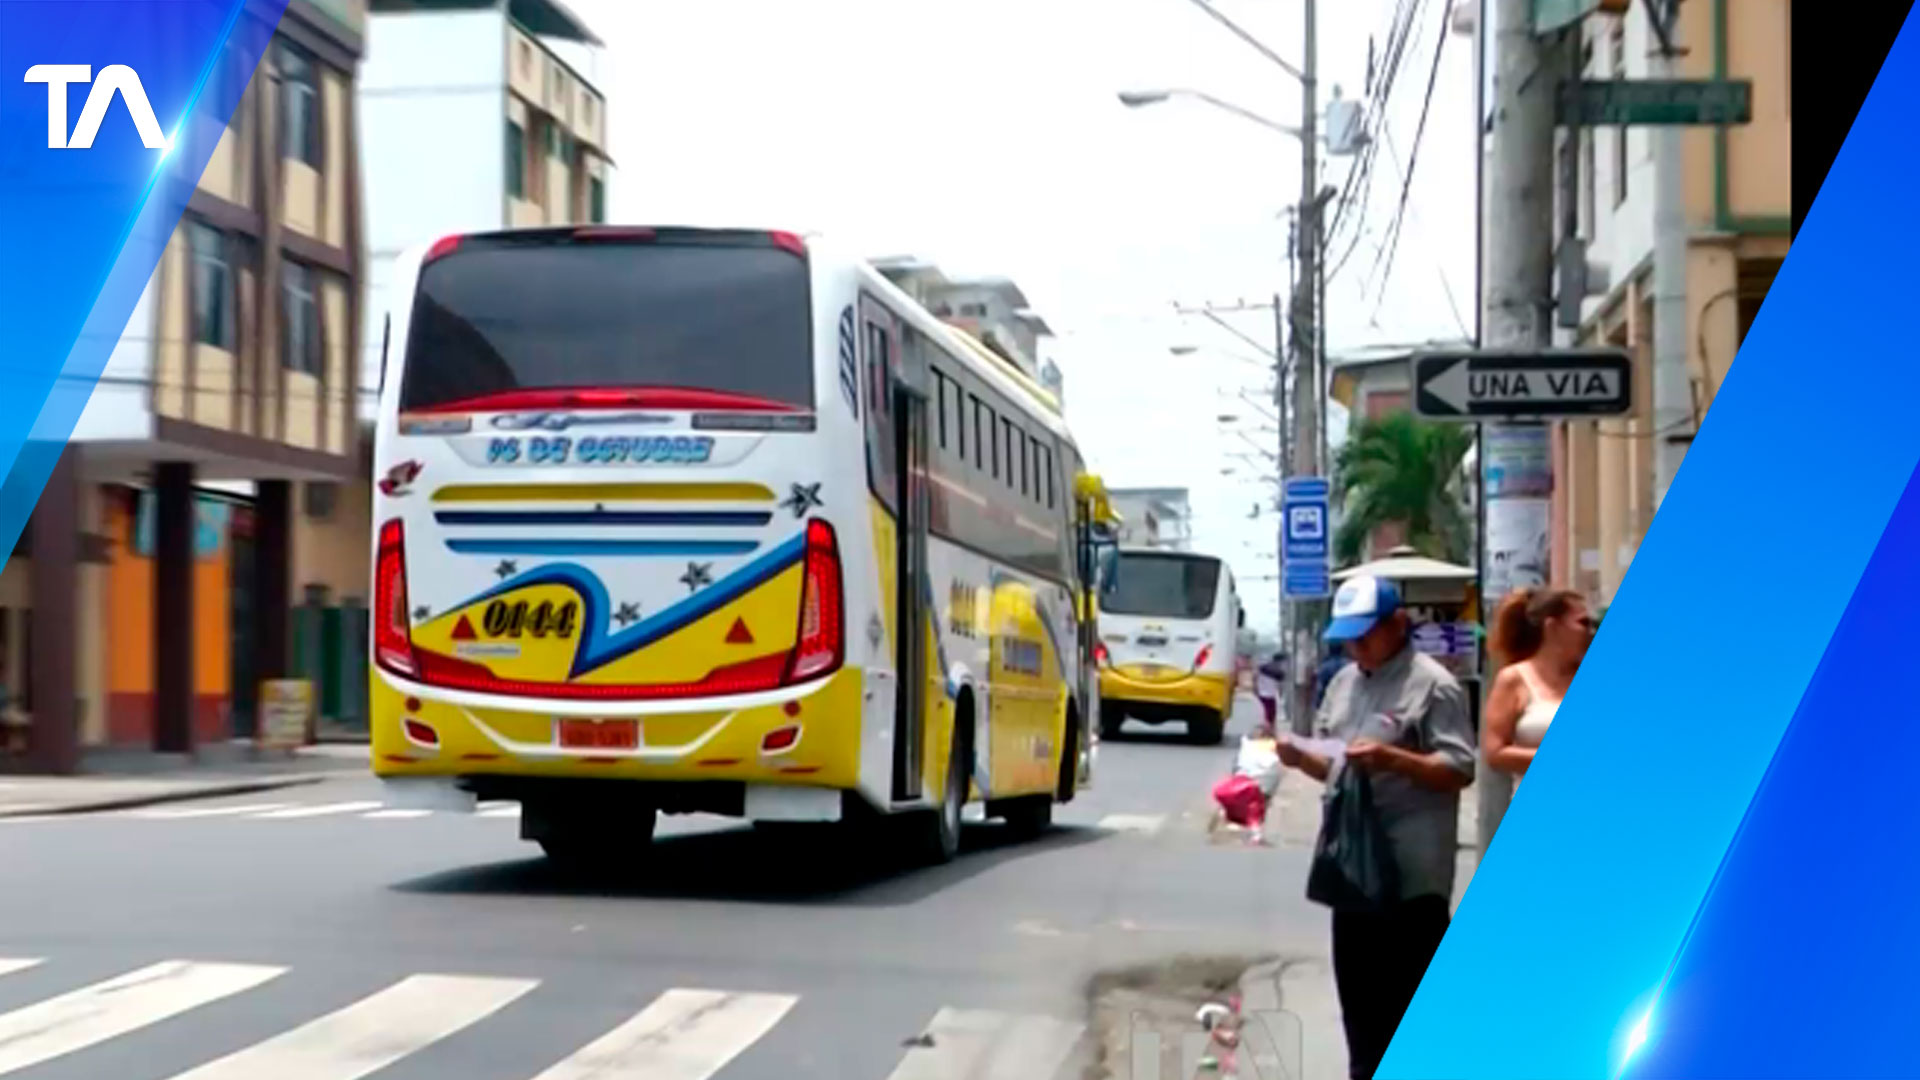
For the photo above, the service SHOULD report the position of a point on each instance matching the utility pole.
(1304, 650)
(1673, 411)
(1519, 307)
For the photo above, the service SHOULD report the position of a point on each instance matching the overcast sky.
(985, 135)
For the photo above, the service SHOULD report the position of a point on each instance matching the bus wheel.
(936, 833)
(1206, 728)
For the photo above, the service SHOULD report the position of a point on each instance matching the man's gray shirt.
(1414, 703)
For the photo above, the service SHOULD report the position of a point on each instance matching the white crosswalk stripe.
(980, 1045)
(322, 810)
(171, 813)
(106, 1010)
(683, 1035)
(370, 1034)
(1140, 823)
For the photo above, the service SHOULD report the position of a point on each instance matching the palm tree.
(1397, 469)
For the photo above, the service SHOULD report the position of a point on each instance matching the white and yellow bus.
(1169, 630)
(704, 521)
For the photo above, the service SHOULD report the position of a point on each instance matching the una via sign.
(1569, 382)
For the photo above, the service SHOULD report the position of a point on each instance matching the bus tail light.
(1200, 661)
(822, 639)
(392, 635)
(1101, 658)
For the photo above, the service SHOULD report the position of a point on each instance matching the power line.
(1413, 156)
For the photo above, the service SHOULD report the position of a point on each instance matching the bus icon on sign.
(1306, 523)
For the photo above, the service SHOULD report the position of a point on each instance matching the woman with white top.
(1539, 636)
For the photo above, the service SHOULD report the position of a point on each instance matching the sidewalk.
(113, 780)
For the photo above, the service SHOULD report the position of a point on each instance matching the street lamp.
(1140, 99)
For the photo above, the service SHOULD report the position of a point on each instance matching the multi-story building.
(1738, 198)
(993, 310)
(155, 579)
(1153, 517)
(1055, 382)
(477, 114)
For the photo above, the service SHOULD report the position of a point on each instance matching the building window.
(597, 200)
(299, 319)
(516, 161)
(1617, 65)
(973, 311)
(553, 138)
(212, 287)
(299, 106)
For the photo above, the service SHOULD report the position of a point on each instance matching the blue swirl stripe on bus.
(644, 549)
(603, 517)
(599, 647)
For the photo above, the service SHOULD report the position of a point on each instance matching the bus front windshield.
(1169, 586)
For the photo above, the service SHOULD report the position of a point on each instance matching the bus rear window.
(1166, 586)
(492, 319)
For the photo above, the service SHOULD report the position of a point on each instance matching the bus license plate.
(600, 734)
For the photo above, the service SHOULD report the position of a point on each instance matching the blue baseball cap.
(1361, 603)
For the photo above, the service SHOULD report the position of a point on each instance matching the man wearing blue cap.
(1402, 717)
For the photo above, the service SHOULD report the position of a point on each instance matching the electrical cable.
(1392, 247)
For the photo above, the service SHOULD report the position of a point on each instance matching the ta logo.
(116, 79)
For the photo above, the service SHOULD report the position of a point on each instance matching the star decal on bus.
(505, 570)
(698, 574)
(421, 613)
(804, 498)
(627, 615)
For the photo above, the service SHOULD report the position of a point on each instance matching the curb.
(131, 802)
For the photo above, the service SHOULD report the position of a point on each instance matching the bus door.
(911, 614)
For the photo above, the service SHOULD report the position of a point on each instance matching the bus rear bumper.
(1201, 690)
(804, 739)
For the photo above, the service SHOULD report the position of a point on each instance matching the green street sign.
(1552, 15)
(1656, 102)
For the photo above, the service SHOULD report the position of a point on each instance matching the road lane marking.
(972, 1044)
(322, 810)
(683, 1035)
(105, 1010)
(398, 813)
(9, 965)
(171, 812)
(1140, 823)
(371, 1033)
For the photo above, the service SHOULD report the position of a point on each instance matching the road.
(311, 934)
